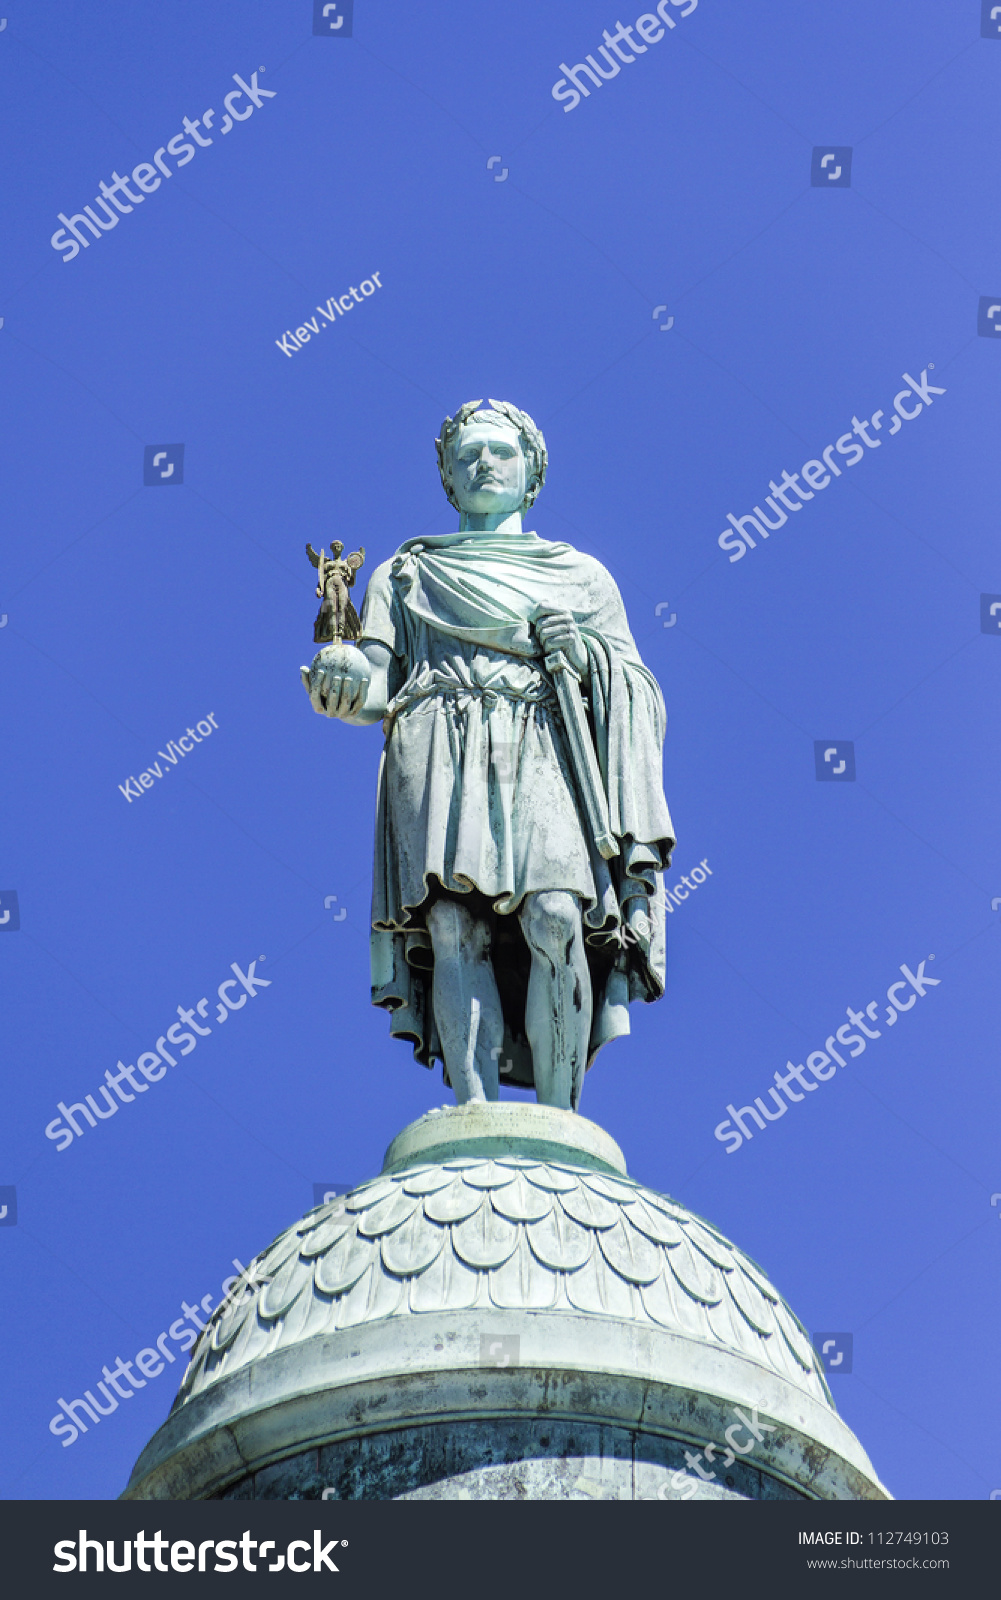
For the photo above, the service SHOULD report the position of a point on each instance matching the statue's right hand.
(337, 681)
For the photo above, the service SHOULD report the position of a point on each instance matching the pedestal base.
(503, 1314)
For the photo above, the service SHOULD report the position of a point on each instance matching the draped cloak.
(477, 794)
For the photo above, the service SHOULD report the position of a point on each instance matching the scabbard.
(582, 753)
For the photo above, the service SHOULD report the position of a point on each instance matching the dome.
(502, 1269)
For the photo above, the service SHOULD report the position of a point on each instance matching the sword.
(582, 753)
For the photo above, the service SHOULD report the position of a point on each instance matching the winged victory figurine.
(337, 618)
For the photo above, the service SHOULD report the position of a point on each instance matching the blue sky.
(683, 183)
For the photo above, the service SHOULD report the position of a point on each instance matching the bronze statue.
(337, 618)
(521, 835)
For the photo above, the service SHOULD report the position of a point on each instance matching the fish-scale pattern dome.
(507, 1232)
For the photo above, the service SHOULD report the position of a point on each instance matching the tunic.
(477, 795)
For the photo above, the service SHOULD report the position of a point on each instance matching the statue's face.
(488, 467)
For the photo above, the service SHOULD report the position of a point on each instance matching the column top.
(505, 1128)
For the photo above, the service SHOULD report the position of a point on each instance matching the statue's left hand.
(557, 630)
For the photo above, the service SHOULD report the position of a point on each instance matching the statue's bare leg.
(558, 1007)
(467, 1006)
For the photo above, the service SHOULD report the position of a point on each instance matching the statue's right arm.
(350, 682)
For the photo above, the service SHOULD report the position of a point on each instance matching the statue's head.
(493, 460)
(336, 548)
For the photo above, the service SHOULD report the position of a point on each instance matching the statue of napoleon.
(509, 933)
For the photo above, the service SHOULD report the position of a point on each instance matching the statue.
(522, 831)
(337, 618)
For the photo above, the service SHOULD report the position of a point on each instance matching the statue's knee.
(456, 932)
(551, 919)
